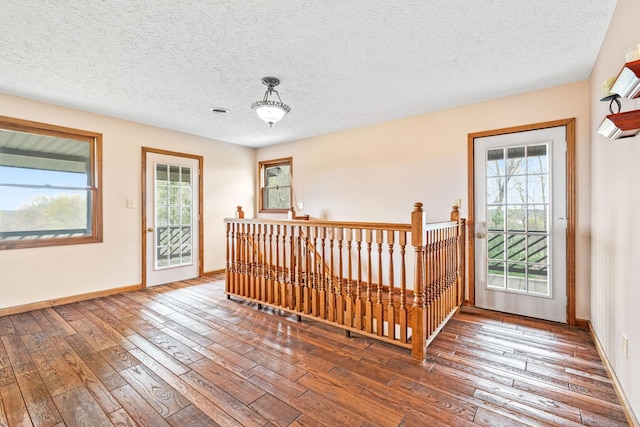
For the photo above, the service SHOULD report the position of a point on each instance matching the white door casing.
(520, 223)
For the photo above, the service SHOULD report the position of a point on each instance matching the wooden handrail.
(352, 275)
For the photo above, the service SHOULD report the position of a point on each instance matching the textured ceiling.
(342, 64)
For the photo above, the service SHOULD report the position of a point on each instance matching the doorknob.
(150, 229)
(481, 235)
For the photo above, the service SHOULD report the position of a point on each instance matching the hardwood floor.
(184, 355)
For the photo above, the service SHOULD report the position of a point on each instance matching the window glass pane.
(46, 189)
(278, 176)
(277, 198)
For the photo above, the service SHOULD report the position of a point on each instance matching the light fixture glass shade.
(270, 111)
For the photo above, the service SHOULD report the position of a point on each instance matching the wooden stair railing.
(352, 275)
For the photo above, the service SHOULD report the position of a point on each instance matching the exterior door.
(172, 215)
(520, 223)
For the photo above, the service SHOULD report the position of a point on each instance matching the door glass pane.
(516, 189)
(518, 211)
(495, 163)
(496, 275)
(538, 279)
(496, 246)
(515, 218)
(516, 247)
(495, 218)
(174, 215)
(495, 189)
(516, 279)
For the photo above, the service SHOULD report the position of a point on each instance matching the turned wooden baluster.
(402, 310)
(315, 274)
(368, 310)
(292, 268)
(277, 295)
(243, 260)
(284, 300)
(430, 279)
(265, 266)
(358, 300)
(340, 296)
(391, 309)
(322, 267)
(349, 295)
(235, 247)
(270, 280)
(300, 276)
(306, 295)
(418, 330)
(331, 282)
(251, 248)
(379, 309)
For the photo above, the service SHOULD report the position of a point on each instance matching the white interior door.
(520, 223)
(172, 200)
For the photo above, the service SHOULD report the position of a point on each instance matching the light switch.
(131, 203)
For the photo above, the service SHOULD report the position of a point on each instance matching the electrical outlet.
(625, 346)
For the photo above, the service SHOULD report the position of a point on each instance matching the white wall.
(376, 173)
(41, 274)
(615, 285)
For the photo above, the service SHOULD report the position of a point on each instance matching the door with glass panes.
(520, 223)
(172, 229)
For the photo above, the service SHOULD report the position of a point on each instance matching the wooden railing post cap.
(239, 212)
(418, 206)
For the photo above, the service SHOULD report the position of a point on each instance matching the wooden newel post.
(455, 213)
(460, 245)
(419, 326)
(239, 212)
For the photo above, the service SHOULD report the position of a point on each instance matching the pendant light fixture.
(269, 110)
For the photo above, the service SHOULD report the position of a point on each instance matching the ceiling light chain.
(271, 111)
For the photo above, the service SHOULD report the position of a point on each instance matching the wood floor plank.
(275, 411)
(79, 408)
(183, 354)
(160, 395)
(13, 406)
(38, 401)
(137, 408)
(198, 399)
(95, 363)
(232, 406)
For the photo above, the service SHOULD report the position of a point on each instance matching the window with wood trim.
(50, 185)
(275, 185)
